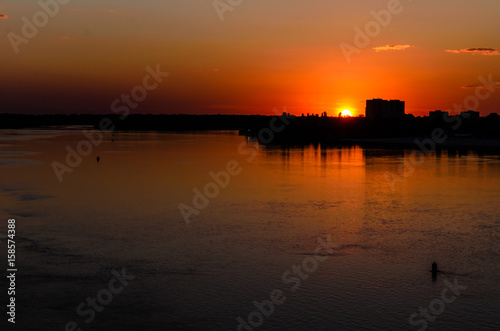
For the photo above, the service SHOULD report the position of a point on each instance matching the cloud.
(475, 51)
(392, 48)
(493, 84)
(3, 15)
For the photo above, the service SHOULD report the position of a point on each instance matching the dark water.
(249, 240)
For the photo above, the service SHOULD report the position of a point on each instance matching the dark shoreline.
(136, 122)
(447, 133)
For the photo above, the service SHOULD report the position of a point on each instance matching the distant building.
(380, 109)
(470, 114)
(288, 115)
(438, 114)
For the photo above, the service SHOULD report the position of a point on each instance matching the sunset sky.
(264, 54)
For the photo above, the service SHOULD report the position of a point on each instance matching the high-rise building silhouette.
(380, 109)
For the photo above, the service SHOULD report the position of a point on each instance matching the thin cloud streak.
(493, 84)
(475, 51)
(392, 48)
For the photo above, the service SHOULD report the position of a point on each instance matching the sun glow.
(346, 113)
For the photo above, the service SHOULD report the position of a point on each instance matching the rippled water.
(124, 212)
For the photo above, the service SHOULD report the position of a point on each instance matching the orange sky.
(262, 55)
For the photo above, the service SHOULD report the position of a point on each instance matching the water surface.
(124, 212)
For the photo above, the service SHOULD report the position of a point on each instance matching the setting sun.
(346, 113)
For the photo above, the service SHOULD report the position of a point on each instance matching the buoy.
(434, 271)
